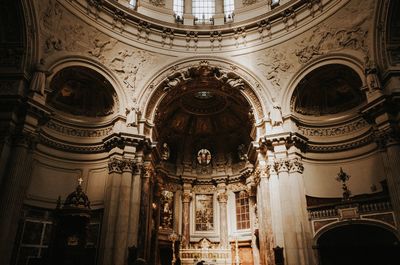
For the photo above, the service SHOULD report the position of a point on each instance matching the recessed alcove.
(204, 109)
(81, 91)
(328, 90)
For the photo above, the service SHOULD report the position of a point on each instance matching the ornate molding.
(78, 132)
(295, 165)
(120, 165)
(187, 196)
(333, 131)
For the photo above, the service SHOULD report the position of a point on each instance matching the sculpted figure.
(38, 81)
(131, 117)
(372, 78)
(276, 115)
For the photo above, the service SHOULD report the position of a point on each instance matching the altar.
(207, 252)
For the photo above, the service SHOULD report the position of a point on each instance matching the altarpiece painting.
(204, 212)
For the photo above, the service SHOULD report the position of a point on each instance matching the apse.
(204, 110)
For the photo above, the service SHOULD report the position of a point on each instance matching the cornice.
(127, 25)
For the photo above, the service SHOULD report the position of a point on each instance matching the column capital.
(295, 165)
(187, 196)
(287, 139)
(147, 170)
(119, 165)
(282, 165)
(222, 196)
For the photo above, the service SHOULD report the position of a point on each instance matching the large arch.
(153, 92)
(358, 242)
(341, 59)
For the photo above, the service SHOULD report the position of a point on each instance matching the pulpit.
(70, 228)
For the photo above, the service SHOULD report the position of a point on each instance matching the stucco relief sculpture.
(275, 63)
(324, 39)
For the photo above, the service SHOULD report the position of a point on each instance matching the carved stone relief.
(324, 40)
(274, 64)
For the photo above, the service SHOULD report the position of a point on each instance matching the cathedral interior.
(199, 132)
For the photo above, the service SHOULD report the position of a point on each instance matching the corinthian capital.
(222, 196)
(187, 196)
(147, 171)
(282, 165)
(295, 165)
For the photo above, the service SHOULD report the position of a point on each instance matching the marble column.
(265, 230)
(111, 209)
(186, 198)
(391, 160)
(302, 225)
(134, 207)
(122, 220)
(12, 192)
(289, 219)
(223, 199)
(252, 192)
(145, 204)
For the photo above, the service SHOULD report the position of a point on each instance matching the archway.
(358, 244)
(203, 125)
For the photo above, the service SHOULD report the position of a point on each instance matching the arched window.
(132, 3)
(242, 210)
(178, 9)
(203, 10)
(229, 7)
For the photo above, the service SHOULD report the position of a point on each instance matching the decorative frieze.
(78, 132)
(333, 130)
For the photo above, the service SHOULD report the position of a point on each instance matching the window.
(242, 210)
(228, 9)
(203, 10)
(132, 3)
(178, 9)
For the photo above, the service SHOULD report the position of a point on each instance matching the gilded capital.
(186, 196)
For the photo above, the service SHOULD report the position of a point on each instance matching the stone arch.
(65, 62)
(379, 224)
(153, 93)
(351, 62)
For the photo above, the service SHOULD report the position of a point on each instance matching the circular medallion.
(203, 157)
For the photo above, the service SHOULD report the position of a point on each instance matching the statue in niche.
(372, 78)
(131, 117)
(165, 152)
(276, 114)
(38, 81)
(242, 152)
(204, 157)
